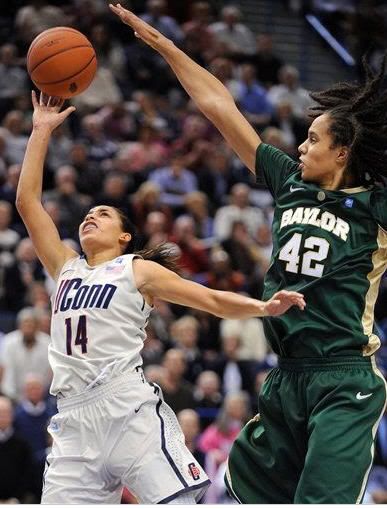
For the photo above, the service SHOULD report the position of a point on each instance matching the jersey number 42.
(306, 263)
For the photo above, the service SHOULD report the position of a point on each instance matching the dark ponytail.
(165, 254)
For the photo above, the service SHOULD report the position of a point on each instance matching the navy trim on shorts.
(164, 448)
(185, 490)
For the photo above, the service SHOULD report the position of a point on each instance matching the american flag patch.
(114, 269)
(194, 471)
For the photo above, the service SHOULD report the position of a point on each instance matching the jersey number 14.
(80, 336)
(307, 263)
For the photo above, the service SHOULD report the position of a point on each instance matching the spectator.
(36, 17)
(266, 63)
(217, 439)
(89, 173)
(143, 155)
(242, 250)
(59, 149)
(8, 189)
(174, 181)
(235, 374)
(294, 129)
(15, 460)
(194, 142)
(100, 147)
(208, 397)
(221, 276)
(178, 393)
(13, 79)
(196, 203)
(155, 229)
(8, 237)
(24, 351)
(291, 91)
(115, 192)
(224, 69)
(238, 210)
(236, 35)
(110, 53)
(199, 39)
(19, 276)
(185, 334)
(252, 98)
(103, 90)
(190, 425)
(155, 16)
(72, 205)
(52, 208)
(15, 139)
(250, 337)
(31, 419)
(193, 256)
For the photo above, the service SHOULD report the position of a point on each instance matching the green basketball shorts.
(312, 442)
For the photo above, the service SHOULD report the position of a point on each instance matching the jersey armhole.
(145, 306)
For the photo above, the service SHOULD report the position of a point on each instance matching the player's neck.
(94, 259)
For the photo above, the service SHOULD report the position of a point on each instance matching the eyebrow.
(97, 210)
(312, 133)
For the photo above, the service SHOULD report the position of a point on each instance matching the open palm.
(47, 111)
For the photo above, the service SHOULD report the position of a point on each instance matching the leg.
(159, 468)
(267, 457)
(341, 430)
(73, 473)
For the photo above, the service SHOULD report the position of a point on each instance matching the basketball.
(61, 62)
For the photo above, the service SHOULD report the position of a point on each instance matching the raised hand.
(47, 112)
(142, 30)
(282, 301)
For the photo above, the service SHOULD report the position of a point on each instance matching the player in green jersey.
(319, 410)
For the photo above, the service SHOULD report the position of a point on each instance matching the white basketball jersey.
(98, 324)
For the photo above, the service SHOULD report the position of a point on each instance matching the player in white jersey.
(113, 429)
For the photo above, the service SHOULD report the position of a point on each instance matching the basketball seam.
(41, 36)
(64, 79)
(59, 53)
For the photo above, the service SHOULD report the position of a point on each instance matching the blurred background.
(137, 142)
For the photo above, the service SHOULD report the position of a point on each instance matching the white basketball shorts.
(119, 434)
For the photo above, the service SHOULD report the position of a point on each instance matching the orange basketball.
(61, 62)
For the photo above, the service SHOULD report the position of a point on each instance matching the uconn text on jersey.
(72, 294)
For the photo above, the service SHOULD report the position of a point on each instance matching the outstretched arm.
(153, 280)
(42, 231)
(209, 94)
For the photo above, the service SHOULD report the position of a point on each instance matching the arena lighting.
(328, 37)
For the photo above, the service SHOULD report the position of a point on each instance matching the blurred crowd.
(137, 142)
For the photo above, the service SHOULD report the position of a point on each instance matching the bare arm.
(41, 229)
(210, 95)
(153, 280)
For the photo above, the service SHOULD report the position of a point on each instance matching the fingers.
(35, 103)
(65, 113)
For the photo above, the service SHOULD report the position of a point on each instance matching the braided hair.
(358, 120)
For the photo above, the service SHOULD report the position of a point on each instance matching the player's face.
(102, 227)
(320, 161)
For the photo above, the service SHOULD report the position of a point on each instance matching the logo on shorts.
(54, 426)
(359, 395)
(194, 471)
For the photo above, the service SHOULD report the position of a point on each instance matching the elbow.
(213, 106)
(22, 203)
(19, 202)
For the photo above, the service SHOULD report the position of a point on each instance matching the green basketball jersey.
(332, 247)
